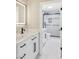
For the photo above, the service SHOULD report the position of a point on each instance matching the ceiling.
(48, 0)
(44, 0)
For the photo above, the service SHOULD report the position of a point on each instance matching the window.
(20, 13)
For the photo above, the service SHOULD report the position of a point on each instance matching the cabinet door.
(35, 40)
(30, 52)
(35, 45)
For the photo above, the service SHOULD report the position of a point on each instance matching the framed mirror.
(20, 13)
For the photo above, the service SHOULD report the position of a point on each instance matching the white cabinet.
(22, 47)
(35, 40)
(28, 48)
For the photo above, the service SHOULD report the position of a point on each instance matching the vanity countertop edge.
(27, 35)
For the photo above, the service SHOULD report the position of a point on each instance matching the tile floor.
(51, 49)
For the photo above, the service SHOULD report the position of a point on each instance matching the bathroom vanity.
(28, 45)
(27, 26)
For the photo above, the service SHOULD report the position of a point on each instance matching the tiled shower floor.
(51, 49)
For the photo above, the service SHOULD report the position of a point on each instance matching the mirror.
(20, 13)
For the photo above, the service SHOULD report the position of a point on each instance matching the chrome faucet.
(22, 30)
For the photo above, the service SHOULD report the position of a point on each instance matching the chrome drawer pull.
(23, 56)
(34, 47)
(61, 51)
(34, 38)
(22, 45)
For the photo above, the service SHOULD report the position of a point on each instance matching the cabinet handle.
(23, 56)
(22, 45)
(60, 8)
(34, 47)
(34, 38)
(61, 48)
(45, 36)
(61, 51)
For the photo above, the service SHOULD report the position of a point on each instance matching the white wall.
(33, 14)
(32, 17)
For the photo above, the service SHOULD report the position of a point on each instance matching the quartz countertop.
(28, 33)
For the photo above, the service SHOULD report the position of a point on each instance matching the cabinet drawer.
(24, 43)
(35, 37)
(28, 53)
(22, 47)
(23, 56)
